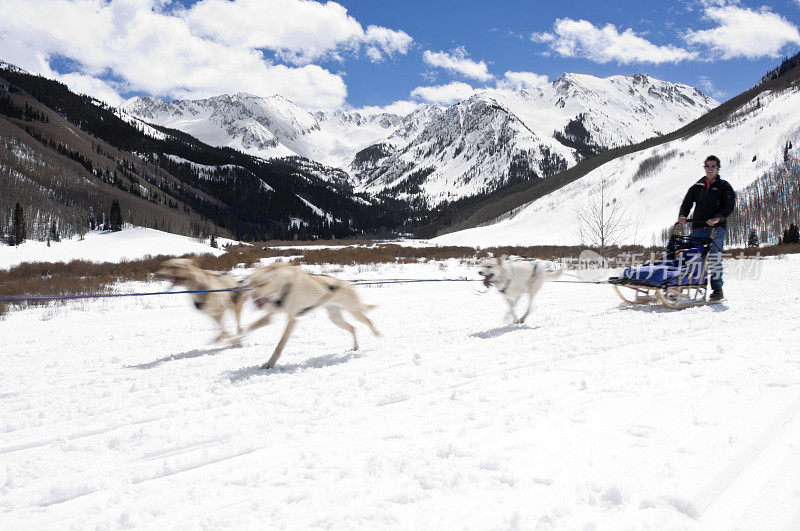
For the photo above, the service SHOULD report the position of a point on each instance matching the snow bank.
(127, 244)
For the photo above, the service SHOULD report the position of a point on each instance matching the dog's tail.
(552, 275)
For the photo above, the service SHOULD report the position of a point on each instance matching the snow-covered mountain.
(500, 136)
(436, 154)
(268, 127)
(753, 137)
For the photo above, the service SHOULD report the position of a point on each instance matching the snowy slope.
(127, 244)
(748, 143)
(268, 127)
(497, 136)
(119, 414)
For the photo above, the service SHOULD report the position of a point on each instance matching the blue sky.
(375, 53)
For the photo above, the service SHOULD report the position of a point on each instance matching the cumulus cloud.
(459, 62)
(742, 32)
(444, 94)
(581, 38)
(388, 41)
(300, 31)
(521, 80)
(97, 88)
(211, 48)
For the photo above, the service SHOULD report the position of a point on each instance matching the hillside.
(750, 133)
(65, 157)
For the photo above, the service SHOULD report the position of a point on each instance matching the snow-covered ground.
(119, 414)
(99, 246)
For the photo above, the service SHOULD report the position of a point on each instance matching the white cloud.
(444, 94)
(745, 33)
(301, 31)
(458, 62)
(183, 53)
(521, 80)
(542, 37)
(707, 85)
(389, 41)
(97, 88)
(581, 38)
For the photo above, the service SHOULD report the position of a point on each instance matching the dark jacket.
(716, 202)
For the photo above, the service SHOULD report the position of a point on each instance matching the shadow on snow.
(318, 362)
(500, 330)
(196, 353)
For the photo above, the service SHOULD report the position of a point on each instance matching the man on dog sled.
(713, 200)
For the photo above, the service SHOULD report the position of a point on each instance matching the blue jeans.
(714, 255)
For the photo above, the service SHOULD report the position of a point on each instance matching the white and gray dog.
(514, 278)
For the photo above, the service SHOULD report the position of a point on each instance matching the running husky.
(288, 289)
(184, 272)
(513, 278)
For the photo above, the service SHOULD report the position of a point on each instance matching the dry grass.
(84, 278)
(767, 250)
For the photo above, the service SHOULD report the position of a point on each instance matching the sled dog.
(514, 278)
(184, 272)
(282, 288)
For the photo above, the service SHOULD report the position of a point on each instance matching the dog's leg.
(282, 343)
(237, 313)
(336, 316)
(264, 321)
(511, 304)
(366, 320)
(525, 315)
(219, 319)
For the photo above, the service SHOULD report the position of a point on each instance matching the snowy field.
(103, 246)
(118, 414)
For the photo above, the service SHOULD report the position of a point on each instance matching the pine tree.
(752, 239)
(53, 233)
(115, 217)
(214, 242)
(792, 235)
(18, 232)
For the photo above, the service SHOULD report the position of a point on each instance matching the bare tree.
(602, 221)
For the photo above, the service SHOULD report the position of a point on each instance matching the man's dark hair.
(715, 159)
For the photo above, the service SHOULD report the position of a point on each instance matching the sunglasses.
(710, 166)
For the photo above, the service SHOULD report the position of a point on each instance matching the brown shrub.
(84, 278)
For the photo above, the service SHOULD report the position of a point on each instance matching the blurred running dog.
(514, 278)
(282, 288)
(184, 272)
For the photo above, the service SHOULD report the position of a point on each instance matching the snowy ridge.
(500, 136)
(141, 125)
(651, 183)
(268, 127)
(438, 154)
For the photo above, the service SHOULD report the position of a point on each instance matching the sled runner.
(678, 281)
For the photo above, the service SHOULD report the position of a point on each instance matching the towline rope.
(22, 298)
(26, 298)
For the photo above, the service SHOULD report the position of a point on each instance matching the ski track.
(119, 414)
